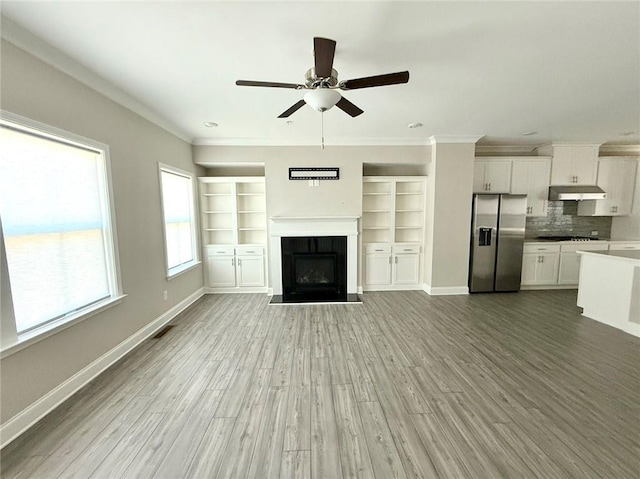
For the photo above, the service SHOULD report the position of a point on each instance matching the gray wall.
(332, 198)
(449, 196)
(35, 90)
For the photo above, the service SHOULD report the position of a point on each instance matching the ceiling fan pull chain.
(322, 127)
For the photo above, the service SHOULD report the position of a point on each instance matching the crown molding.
(505, 150)
(308, 142)
(435, 139)
(627, 149)
(27, 41)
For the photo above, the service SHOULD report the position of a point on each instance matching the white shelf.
(399, 197)
(233, 210)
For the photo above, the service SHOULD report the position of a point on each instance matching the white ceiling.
(569, 71)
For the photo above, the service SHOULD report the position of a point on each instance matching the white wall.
(35, 90)
(628, 227)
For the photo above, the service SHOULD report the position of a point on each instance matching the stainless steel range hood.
(576, 193)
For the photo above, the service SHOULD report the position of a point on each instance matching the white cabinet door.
(406, 269)
(531, 178)
(250, 270)
(492, 176)
(377, 269)
(221, 271)
(540, 269)
(479, 182)
(574, 165)
(569, 268)
(547, 268)
(617, 178)
(529, 269)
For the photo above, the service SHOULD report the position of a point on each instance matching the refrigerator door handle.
(485, 236)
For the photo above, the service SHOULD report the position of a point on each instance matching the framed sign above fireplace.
(313, 173)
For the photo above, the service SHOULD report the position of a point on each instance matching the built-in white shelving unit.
(234, 231)
(392, 231)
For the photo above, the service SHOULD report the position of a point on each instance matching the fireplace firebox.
(314, 268)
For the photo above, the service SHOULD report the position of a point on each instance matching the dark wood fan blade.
(292, 110)
(268, 84)
(378, 80)
(323, 51)
(348, 107)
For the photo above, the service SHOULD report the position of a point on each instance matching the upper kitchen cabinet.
(530, 176)
(616, 176)
(572, 164)
(492, 175)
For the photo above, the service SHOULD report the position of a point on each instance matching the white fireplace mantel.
(313, 226)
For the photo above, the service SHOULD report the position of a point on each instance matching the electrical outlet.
(594, 233)
(165, 295)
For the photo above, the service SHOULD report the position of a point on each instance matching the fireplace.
(314, 268)
(322, 269)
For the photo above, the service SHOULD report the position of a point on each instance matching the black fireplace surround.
(314, 268)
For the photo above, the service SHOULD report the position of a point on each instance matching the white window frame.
(11, 341)
(184, 267)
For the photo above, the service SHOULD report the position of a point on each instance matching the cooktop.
(566, 238)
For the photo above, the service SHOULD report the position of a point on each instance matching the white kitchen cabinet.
(392, 267)
(491, 175)
(624, 245)
(531, 177)
(572, 163)
(569, 270)
(540, 263)
(239, 269)
(616, 176)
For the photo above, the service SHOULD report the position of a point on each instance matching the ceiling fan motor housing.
(313, 81)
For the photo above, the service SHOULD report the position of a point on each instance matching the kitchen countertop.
(625, 255)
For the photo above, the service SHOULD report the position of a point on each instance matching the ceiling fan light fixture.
(322, 99)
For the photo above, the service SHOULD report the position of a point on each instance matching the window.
(57, 225)
(178, 212)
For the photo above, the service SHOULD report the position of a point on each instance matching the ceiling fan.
(322, 82)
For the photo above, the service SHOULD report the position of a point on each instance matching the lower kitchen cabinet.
(569, 272)
(540, 264)
(235, 269)
(391, 267)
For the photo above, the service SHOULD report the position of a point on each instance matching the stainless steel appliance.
(497, 239)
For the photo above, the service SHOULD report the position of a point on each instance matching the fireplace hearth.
(314, 269)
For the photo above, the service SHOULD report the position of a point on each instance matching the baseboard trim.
(444, 291)
(29, 416)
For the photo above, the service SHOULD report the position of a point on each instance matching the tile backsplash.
(562, 220)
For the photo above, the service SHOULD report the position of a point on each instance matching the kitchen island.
(609, 288)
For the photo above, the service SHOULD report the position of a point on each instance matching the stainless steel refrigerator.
(497, 239)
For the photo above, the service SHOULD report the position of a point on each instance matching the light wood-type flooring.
(402, 386)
